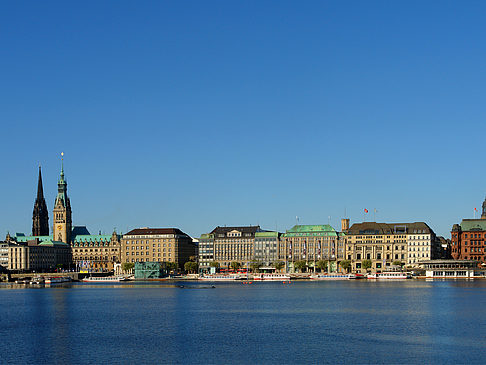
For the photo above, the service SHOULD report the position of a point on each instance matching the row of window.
(147, 253)
(136, 242)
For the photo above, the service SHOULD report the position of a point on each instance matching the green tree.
(191, 266)
(255, 265)
(322, 265)
(366, 264)
(170, 266)
(127, 266)
(214, 264)
(235, 265)
(345, 264)
(279, 265)
(300, 265)
(398, 263)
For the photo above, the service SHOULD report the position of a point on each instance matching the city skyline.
(368, 215)
(199, 115)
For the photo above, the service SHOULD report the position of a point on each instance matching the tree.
(366, 264)
(191, 266)
(255, 265)
(300, 265)
(170, 266)
(322, 264)
(127, 266)
(279, 265)
(398, 263)
(235, 265)
(346, 265)
(214, 264)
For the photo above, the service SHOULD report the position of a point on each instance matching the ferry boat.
(223, 277)
(389, 275)
(105, 279)
(38, 280)
(22, 281)
(271, 277)
(333, 277)
(57, 280)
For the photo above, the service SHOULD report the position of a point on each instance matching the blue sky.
(205, 113)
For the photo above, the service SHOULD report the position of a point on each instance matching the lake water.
(441, 322)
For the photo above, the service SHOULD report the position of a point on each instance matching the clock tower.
(62, 211)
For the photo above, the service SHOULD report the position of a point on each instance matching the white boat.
(333, 277)
(271, 277)
(223, 277)
(38, 280)
(389, 275)
(57, 280)
(105, 279)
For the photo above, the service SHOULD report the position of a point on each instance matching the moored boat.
(390, 275)
(105, 279)
(38, 280)
(57, 280)
(271, 277)
(223, 277)
(332, 277)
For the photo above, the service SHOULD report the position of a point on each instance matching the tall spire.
(40, 190)
(40, 216)
(62, 210)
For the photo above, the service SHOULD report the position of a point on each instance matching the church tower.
(62, 211)
(40, 216)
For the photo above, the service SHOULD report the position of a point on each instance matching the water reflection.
(406, 322)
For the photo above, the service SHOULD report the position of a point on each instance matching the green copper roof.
(311, 230)
(206, 236)
(22, 238)
(473, 225)
(91, 238)
(266, 234)
(52, 243)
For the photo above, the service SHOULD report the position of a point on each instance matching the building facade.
(39, 256)
(3, 255)
(386, 243)
(95, 252)
(157, 245)
(267, 248)
(234, 244)
(468, 239)
(311, 243)
(206, 253)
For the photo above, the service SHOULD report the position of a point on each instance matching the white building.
(422, 245)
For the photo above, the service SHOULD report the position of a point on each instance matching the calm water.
(332, 322)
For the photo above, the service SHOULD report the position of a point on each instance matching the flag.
(366, 210)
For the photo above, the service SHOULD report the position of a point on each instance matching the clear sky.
(193, 114)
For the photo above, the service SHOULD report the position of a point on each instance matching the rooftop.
(374, 228)
(153, 231)
(473, 225)
(311, 230)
